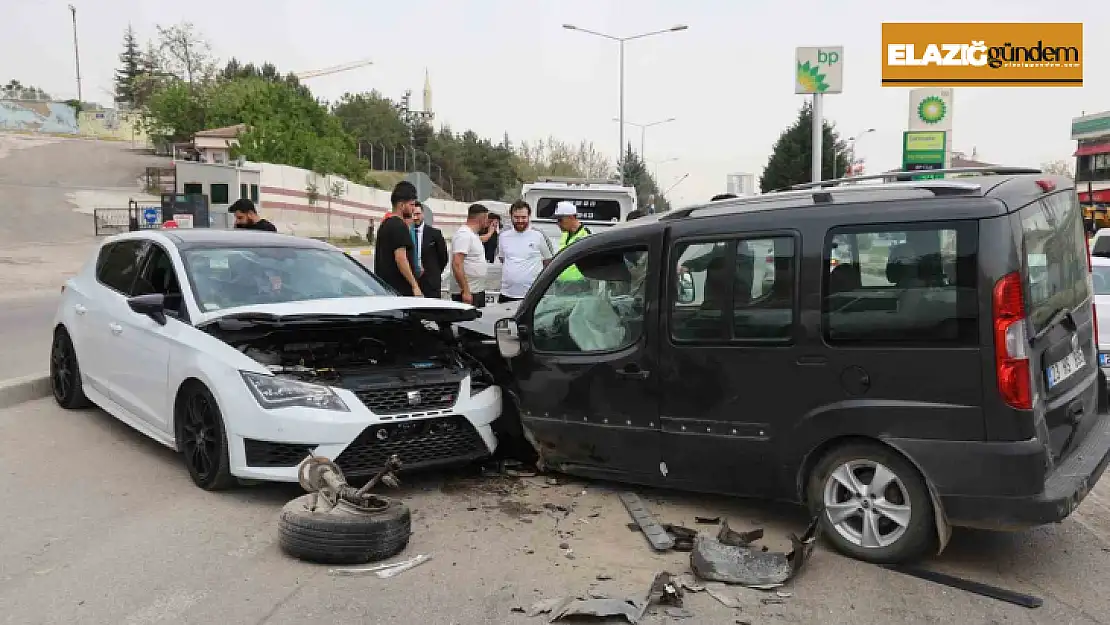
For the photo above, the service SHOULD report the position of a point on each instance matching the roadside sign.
(924, 150)
(184, 220)
(150, 215)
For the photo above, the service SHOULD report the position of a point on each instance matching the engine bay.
(354, 354)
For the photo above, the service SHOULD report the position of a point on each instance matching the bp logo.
(931, 110)
(811, 79)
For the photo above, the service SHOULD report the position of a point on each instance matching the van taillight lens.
(1011, 354)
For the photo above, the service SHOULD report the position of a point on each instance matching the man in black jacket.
(433, 254)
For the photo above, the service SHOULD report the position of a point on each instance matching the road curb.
(22, 389)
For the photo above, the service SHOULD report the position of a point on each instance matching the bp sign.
(924, 150)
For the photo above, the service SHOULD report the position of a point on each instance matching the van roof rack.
(826, 195)
(907, 176)
(572, 180)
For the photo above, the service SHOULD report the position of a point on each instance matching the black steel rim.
(61, 369)
(201, 436)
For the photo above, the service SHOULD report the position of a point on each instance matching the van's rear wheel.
(873, 504)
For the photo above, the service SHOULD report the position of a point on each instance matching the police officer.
(566, 213)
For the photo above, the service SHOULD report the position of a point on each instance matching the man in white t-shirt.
(524, 252)
(468, 259)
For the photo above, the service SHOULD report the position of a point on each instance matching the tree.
(16, 90)
(556, 158)
(1058, 168)
(131, 68)
(637, 175)
(183, 52)
(372, 119)
(789, 163)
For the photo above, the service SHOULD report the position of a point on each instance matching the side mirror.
(152, 305)
(687, 292)
(510, 337)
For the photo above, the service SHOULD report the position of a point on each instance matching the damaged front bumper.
(269, 444)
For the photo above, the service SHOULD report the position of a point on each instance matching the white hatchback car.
(247, 350)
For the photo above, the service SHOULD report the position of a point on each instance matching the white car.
(1100, 279)
(247, 350)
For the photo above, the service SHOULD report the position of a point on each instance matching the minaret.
(427, 94)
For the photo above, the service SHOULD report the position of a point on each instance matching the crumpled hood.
(490, 315)
(438, 310)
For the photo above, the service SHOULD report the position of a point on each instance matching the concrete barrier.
(26, 388)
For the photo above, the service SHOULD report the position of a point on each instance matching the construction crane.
(332, 70)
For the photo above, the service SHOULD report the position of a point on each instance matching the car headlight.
(274, 392)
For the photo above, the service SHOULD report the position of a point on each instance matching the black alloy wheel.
(202, 441)
(65, 376)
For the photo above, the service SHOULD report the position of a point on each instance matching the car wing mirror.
(687, 292)
(512, 338)
(152, 305)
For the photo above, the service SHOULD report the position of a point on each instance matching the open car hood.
(345, 308)
(490, 315)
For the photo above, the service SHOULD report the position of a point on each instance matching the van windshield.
(1055, 257)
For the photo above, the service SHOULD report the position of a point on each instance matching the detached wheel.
(202, 439)
(344, 538)
(65, 375)
(873, 504)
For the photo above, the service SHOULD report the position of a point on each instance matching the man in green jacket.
(566, 214)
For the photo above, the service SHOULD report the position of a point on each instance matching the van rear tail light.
(1011, 353)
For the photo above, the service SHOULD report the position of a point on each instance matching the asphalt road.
(103, 526)
(25, 334)
(43, 239)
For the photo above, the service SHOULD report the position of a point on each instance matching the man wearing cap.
(566, 213)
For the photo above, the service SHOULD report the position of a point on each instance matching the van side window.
(597, 309)
(906, 286)
(733, 290)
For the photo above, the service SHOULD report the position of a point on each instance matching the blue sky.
(508, 66)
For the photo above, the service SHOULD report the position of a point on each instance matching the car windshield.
(232, 277)
(1100, 275)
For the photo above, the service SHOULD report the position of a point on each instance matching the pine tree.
(130, 70)
(636, 175)
(790, 164)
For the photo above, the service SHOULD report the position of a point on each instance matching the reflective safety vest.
(571, 273)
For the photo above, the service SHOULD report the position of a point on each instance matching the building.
(214, 146)
(1092, 157)
(741, 184)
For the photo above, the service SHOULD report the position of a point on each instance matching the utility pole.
(76, 52)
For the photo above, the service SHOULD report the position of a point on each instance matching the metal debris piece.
(782, 594)
(603, 577)
(362, 570)
(688, 582)
(715, 561)
(728, 601)
(678, 613)
(771, 601)
(683, 537)
(664, 590)
(985, 590)
(548, 605)
(707, 520)
(520, 473)
(658, 537)
(631, 609)
(729, 536)
(331, 493)
(401, 567)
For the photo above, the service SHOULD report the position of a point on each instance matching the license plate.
(1104, 360)
(1063, 369)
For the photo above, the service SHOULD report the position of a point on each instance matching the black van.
(902, 357)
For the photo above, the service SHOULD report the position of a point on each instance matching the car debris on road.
(715, 560)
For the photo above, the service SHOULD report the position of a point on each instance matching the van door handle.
(633, 372)
(812, 360)
(80, 309)
(116, 328)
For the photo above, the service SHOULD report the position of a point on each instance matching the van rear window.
(1055, 256)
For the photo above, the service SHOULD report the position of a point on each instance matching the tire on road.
(65, 373)
(343, 538)
(907, 488)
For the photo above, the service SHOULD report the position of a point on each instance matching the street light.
(76, 54)
(621, 40)
(643, 130)
(852, 148)
(655, 166)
